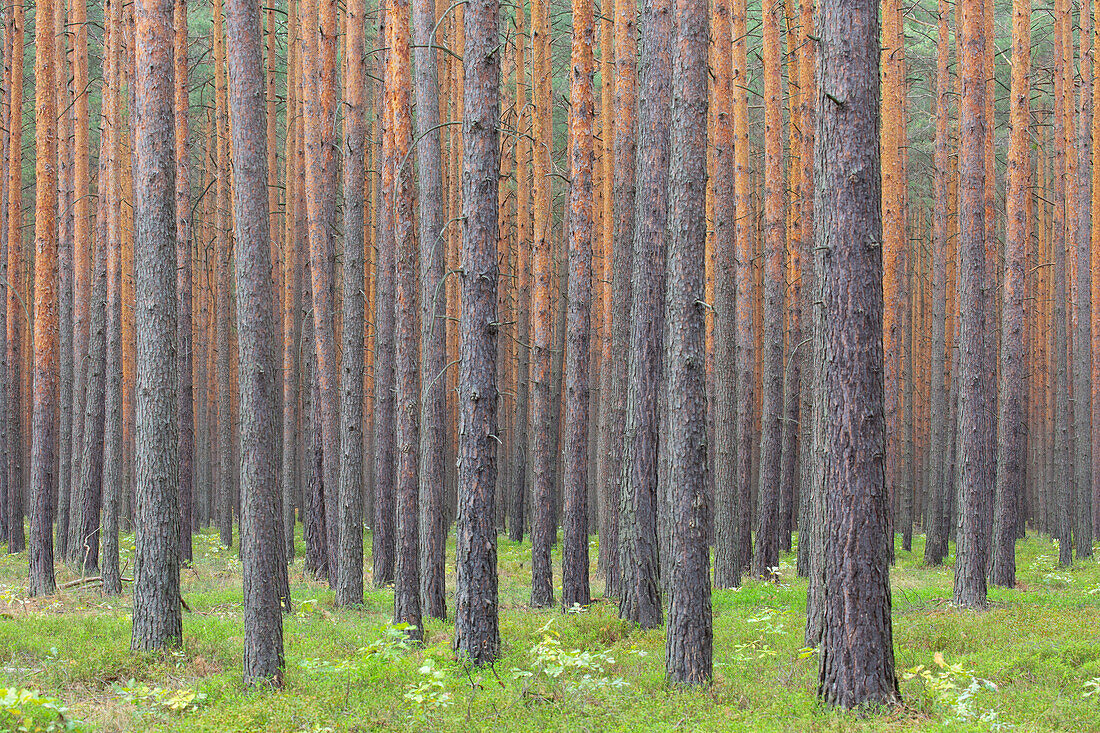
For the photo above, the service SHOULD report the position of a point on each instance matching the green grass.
(1039, 644)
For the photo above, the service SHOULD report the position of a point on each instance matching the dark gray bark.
(935, 545)
(477, 634)
(639, 555)
(974, 494)
(433, 314)
(157, 614)
(349, 554)
(406, 322)
(856, 653)
(185, 394)
(384, 375)
(261, 557)
(689, 641)
(575, 583)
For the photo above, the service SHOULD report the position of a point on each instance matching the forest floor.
(1029, 663)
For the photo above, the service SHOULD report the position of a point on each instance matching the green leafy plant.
(28, 711)
(567, 670)
(959, 690)
(160, 698)
(390, 647)
(431, 694)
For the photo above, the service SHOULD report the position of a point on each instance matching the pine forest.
(572, 365)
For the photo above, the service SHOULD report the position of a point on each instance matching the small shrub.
(28, 710)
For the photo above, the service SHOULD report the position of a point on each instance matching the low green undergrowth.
(1031, 662)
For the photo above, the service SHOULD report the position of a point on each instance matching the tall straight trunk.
(516, 495)
(608, 500)
(157, 614)
(404, 304)
(384, 374)
(477, 634)
(893, 250)
(45, 344)
(792, 367)
(292, 283)
(111, 437)
(83, 220)
(856, 653)
(808, 532)
(935, 546)
(1094, 259)
(313, 499)
(639, 558)
(1082, 339)
(745, 343)
(970, 587)
(260, 524)
(575, 588)
(1011, 432)
(81, 542)
(614, 372)
(222, 258)
(991, 303)
(727, 560)
(65, 284)
(1062, 202)
(17, 302)
(89, 485)
(5, 120)
(557, 371)
(543, 529)
(689, 641)
(433, 315)
(349, 568)
(184, 352)
(766, 555)
(87, 491)
(320, 203)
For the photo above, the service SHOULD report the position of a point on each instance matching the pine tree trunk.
(543, 528)
(44, 437)
(111, 440)
(516, 494)
(83, 219)
(689, 640)
(260, 511)
(1082, 338)
(970, 588)
(640, 559)
(935, 546)
(184, 350)
(222, 259)
(433, 395)
(157, 613)
(766, 554)
(477, 635)
(1063, 478)
(743, 275)
(17, 302)
(1011, 431)
(384, 364)
(622, 256)
(5, 387)
(856, 652)
(405, 306)
(292, 283)
(575, 587)
(727, 561)
(349, 568)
